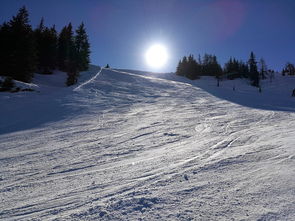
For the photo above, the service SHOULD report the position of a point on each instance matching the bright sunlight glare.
(156, 56)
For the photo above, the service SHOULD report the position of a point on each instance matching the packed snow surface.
(130, 145)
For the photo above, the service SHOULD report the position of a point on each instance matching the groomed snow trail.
(131, 147)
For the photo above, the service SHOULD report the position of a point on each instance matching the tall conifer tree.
(5, 46)
(22, 53)
(82, 47)
(253, 72)
(65, 47)
(262, 69)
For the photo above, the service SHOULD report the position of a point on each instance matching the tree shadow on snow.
(23, 111)
(253, 99)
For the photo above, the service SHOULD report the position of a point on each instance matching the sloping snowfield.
(133, 146)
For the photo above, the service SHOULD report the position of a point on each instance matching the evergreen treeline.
(236, 69)
(25, 51)
(193, 69)
(18, 53)
(209, 66)
(289, 69)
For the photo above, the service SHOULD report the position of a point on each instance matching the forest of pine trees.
(208, 66)
(289, 69)
(193, 69)
(25, 50)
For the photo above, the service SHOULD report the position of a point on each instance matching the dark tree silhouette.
(24, 51)
(210, 66)
(65, 47)
(5, 46)
(67, 54)
(263, 72)
(289, 69)
(253, 72)
(82, 48)
(46, 44)
(235, 69)
(18, 47)
(191, 69)
(182, 67)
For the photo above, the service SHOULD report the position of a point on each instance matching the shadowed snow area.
(138, 146)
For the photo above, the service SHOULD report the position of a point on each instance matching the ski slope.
(130, 145)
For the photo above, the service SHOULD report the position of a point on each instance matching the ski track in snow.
(89, 81)
(135, 147)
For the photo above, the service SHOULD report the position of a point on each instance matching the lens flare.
(156, 56)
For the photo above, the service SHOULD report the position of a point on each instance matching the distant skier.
(107, 66)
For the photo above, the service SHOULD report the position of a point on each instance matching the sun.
(156, 56)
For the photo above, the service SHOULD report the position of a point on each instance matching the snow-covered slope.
(139, 146)
(276, 93)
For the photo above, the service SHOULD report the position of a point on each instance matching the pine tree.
(210, 66)
(228, 66)
(46, 44)
(183, 66)
(52, 40)
(62, 49)
(235, 69)
(206, 64)
(262, 69)
(21, 63)
(39, 43)
(200, 60)
(67, 54)
(192, 69)
(82, 48)
(72, 66)
(5, 46)
(244, 69)
(179, 68)
(216, 69)
(65, 47)
(289, 69)
(253, 72)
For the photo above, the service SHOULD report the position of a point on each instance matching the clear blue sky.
(121, 30)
